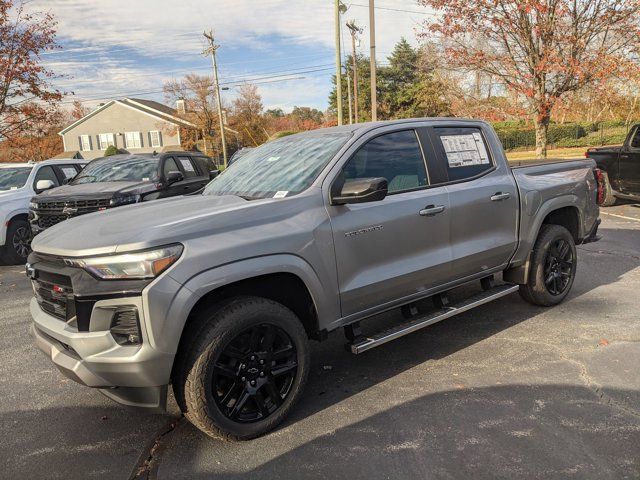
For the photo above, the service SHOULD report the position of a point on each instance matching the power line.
(394, 9)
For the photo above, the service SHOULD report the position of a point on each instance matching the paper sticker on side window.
(465, 150)
(69, 172)
(186, 164)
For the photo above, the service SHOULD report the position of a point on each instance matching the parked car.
(18, 183)
(239, 154)
(121, 180)
(620, 168)
(218, 294)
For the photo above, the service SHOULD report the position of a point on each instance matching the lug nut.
(261, 362)
(253, 357)
(253, 383)
(244, 379)
(262, 374)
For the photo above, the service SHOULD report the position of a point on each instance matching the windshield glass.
(281, 168)
(129, 169)
(12, 178)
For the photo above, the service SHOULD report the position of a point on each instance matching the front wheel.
(609, 199)
(553, 267)
(18, 243)
(244, 369)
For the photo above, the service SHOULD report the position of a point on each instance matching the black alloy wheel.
(558, 267)
(254, 373)
(21, 241)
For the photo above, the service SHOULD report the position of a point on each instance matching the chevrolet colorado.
(620, 168)
(218, 294)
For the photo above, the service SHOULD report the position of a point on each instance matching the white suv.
(18, 183)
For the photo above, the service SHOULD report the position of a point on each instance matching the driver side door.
(390, 250)
(629, 166)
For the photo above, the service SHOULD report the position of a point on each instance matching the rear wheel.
(245, 369)
(553, 267)
(18, 242)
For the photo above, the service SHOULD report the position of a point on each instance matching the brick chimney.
(181, 106)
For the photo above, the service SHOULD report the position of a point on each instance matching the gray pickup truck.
(218, 294)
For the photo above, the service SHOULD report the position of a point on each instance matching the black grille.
(55, 296)
(51, 213)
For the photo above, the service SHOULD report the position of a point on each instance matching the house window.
(133, 139)
(106, 139)
(85, 143)
(155, 138)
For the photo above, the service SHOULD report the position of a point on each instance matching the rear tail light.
(600, 183)
(125, 326)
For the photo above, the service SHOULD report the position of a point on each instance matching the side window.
(46, 173)
(67, 172)
(463, 152)
(395, 156)
(635, 140)
(188, 167)
(170, 165)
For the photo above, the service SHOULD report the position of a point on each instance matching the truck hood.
(145, 225)
(102, 189)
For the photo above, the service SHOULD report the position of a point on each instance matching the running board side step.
(362, 344)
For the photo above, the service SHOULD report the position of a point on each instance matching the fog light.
(125, 326)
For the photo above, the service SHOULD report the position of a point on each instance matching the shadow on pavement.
(538, 431)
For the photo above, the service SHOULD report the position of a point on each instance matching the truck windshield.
(279, 168)
(12, 178)
(129, 169)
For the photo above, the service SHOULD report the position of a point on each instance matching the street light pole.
(212, 51)
(338, 63)
(372, 61)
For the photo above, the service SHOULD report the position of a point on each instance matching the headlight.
(135, 265)
(124, 200)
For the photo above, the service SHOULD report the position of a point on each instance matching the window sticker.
(465, 150)
(69, 172)
(186, 164)
(281, 194)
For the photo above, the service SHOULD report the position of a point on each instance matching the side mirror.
(213, 174)
(42, 185)
(66, 181)
(173, 177)
(360, 190)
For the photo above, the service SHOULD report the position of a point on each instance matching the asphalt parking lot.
(502, 391)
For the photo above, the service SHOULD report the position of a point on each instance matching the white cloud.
(170, 35)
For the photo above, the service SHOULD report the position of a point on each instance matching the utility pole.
(349, 94)
(354, 29)
(372, 61)
(212, 51)
(338, 63)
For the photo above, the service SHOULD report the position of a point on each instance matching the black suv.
(122, 180)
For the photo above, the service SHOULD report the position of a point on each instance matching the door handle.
(500, 196)
(431, 210)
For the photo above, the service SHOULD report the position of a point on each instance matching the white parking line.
(621, 216)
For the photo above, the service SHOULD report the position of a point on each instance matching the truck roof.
(43, 162)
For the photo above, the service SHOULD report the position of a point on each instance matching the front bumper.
(132, 375)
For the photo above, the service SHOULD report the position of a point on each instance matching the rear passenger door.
(398, 247)
(483, 197)
(194, 178)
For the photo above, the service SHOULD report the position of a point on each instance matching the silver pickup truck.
(218, 294)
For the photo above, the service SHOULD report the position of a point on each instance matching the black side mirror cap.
(360, 190)
(214, 173)
(173, 177)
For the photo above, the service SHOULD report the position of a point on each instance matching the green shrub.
(513, 138)
(111, 150)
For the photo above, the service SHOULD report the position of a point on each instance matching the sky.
(129, 48)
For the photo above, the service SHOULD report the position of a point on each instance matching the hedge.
(526, 137)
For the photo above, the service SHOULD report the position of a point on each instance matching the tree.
(200, 109)
(247, 118)
(78, 110)
(26, 93)
(111, 150)
(40, 141)
(540, 49)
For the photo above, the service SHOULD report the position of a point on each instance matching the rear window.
(463, 152)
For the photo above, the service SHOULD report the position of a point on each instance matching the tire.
(553, 267)
(250, 377)
(17, 243)
(609, 198)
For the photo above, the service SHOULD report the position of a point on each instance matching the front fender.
(169, 309)
(8, 216)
